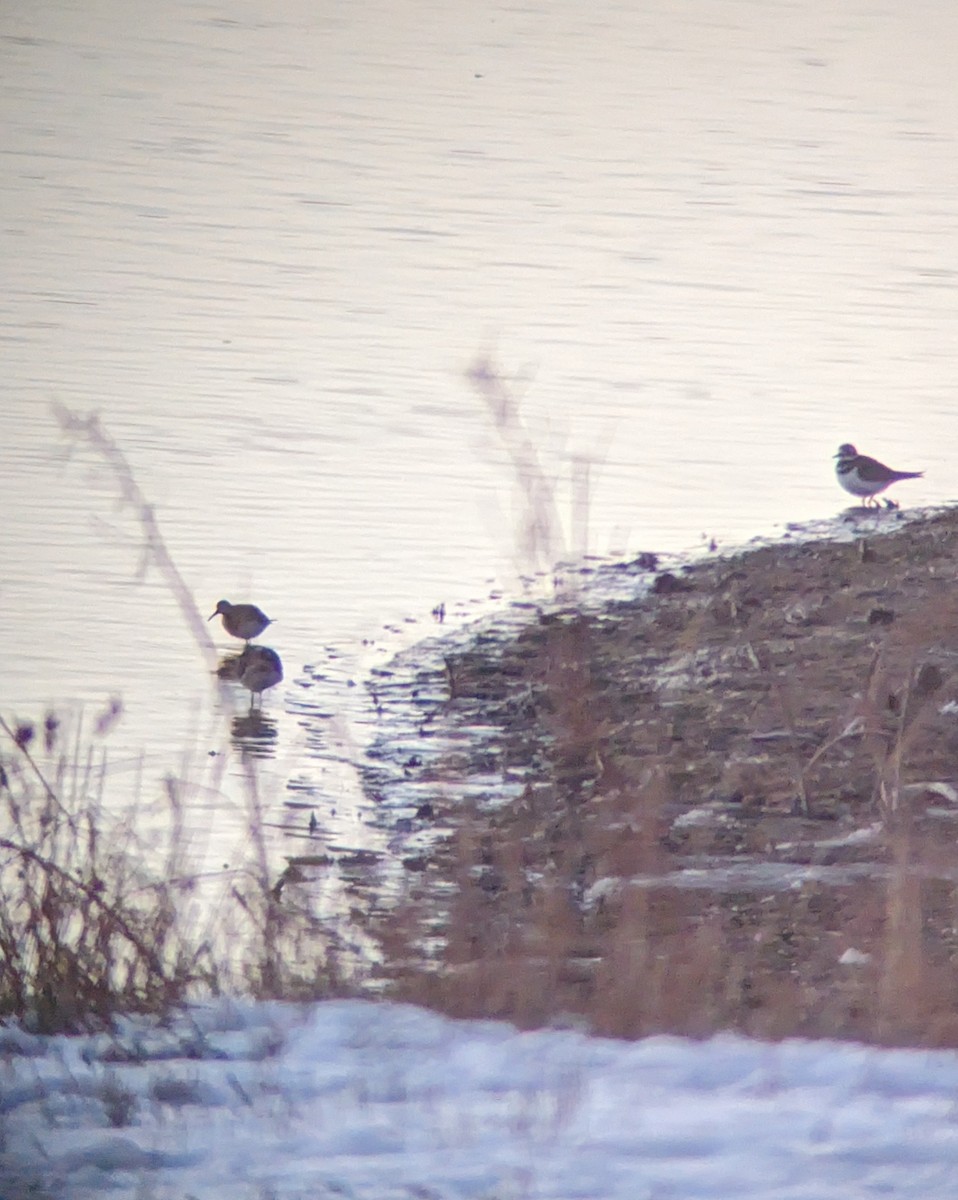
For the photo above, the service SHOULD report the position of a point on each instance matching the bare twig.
(48, 790)
(91, 429)
(542, 541)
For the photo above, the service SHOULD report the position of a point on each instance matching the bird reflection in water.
(257, 668)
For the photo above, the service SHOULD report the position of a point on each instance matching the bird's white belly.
(851, 482)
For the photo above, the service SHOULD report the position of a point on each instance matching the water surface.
(708, 244)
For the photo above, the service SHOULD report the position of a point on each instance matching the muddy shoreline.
(729, 801)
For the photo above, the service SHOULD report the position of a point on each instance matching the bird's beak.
(211, 616)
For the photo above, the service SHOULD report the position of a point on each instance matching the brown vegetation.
(96, 920)
(740, 803)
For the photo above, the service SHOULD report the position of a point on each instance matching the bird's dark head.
(846, 450)
(222, 609)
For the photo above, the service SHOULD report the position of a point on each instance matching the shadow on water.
(254, 733)
(256, 668)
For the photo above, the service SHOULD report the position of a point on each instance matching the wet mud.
(727, 800)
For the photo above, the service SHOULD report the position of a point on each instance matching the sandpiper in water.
(244, 621)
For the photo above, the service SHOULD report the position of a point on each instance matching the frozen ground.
(357, 1100)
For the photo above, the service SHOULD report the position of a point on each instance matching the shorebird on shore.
(865, 477)
(259, 668)
(244, 621)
